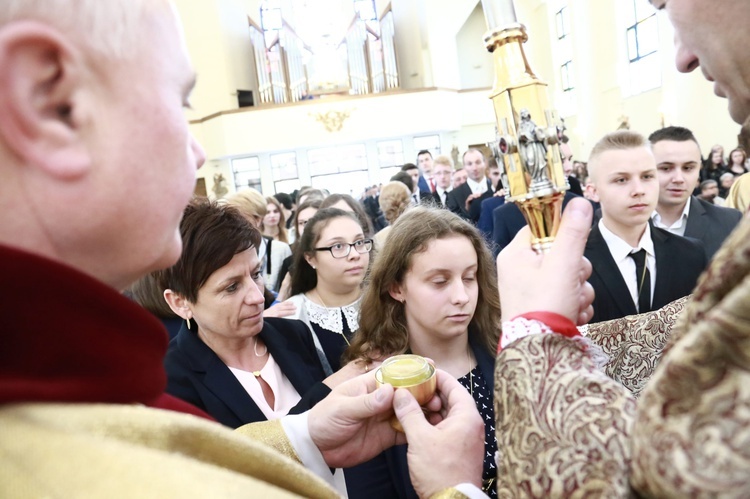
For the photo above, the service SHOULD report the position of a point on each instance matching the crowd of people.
(279, 310)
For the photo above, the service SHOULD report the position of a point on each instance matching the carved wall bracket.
(332, 120)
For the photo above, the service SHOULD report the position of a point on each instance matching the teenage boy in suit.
(636, 267)
(678, 162)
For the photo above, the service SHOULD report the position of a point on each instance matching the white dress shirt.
(678, 227)
(620, 250)
(478, 187)
(284, 393)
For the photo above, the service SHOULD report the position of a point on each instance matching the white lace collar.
(330, 318)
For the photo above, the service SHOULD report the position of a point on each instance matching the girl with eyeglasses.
(330, 264)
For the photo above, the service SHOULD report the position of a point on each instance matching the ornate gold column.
(529, 130)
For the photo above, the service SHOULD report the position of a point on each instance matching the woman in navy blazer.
(197, 375)
(227, 359)
(433, 292)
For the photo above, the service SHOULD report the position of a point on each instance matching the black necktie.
(643, 281)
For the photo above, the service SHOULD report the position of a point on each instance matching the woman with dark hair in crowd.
(287, 207)
(304, 212)
(347, 203)
(274, 223)
(227, 359)
(714, 166)
(330, 264)
(432, 291)
(737, 159)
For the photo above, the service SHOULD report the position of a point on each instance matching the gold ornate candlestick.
(528, 128)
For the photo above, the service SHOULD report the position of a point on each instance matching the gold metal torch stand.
(529, 133)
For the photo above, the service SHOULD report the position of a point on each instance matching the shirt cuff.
(471, 491)
(536, 323)
(297, 430)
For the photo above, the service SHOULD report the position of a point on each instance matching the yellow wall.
(599, 54)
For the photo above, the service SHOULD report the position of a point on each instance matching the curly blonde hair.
(395, 198)
(251, 203)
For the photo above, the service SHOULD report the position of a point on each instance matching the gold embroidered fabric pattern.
(634, 344)
(566, 431)
(693, 420)
(101, 450)
(563, 426)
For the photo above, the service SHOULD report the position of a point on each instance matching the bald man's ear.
(40, 84)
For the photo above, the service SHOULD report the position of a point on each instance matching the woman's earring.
(188, 322)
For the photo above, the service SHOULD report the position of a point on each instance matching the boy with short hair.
(636, 267)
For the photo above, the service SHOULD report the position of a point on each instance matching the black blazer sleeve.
(454, 200)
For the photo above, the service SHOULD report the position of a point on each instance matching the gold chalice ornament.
(411, 372)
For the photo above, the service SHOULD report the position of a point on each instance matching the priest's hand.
(552, 282)
(447, 447)
(351, 425)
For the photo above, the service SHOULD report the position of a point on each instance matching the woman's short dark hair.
(285, 199)
(304, 277)
(404, 178)
(357, 208)
(211, 235)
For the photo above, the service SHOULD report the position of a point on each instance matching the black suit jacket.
(507, 220)
(456, 201)
(710, 224)
(575, 185)
(197, 375)
(679, 262)
(372, 208)
(433, 199)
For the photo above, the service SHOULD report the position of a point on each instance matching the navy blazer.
(197, 375)
(711, 224)
(396, 456)
(456, 201)
(679, 263)
(423, 185)
(485, 223)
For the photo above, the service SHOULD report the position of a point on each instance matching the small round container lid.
(406, 370)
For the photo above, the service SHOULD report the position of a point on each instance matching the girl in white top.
(330, 265)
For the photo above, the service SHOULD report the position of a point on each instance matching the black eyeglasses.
(342, 250)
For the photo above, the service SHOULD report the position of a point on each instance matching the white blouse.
(285, 395)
